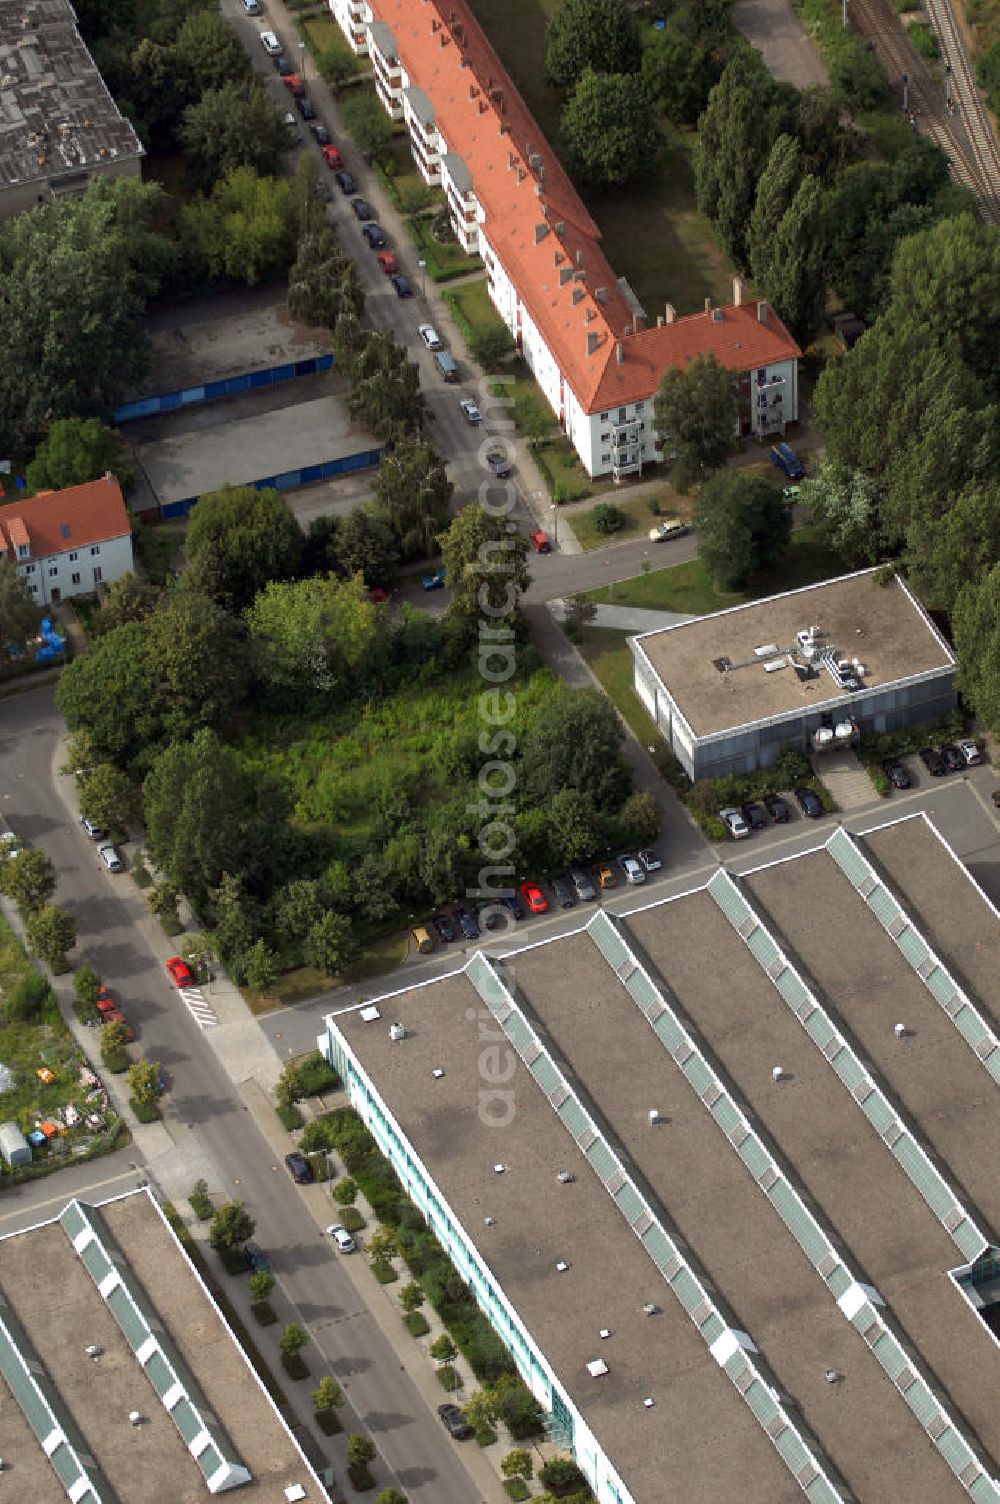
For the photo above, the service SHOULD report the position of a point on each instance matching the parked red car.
(294, 85)
(105, 1002)
(534, 898)
(331, 156)
(116, 1016)
(387, 262)
(540, 541)
(180, 972)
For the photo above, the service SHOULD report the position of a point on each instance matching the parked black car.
(468, 925)
(299, 1168)
(345, 182)
(896, 774)
(933, 761)
(306, 108)
(754, 815)
(489, 914)
(777, 808)
(808, 803)
(954, 761)
(362, 208)
(446, 931)
(456, 1423)
(320, 134)
(513, 903)
(256, 1258)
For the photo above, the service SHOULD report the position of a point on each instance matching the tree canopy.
(315, 636)
(244, 230)
(976, 625)
(76, 450)
(611, 132)
(742, 523)
(74, 277)
(235, 125)
(696, 411)
(597, 34)
(575, 743)
(412, 497)
(239, 540)
(487, 568)
(19, 616)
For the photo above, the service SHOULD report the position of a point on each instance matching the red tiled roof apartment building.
(580, 329)
(69, 542)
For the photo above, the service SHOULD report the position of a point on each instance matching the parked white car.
(970, 752)
(650, 861)
(471, 411)
(430, 337)
(111, 858)
(270, 43)
(633, 872)
(670, 527)
(342, 1238)
(735, 824)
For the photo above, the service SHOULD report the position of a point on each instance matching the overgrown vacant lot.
(391, 771)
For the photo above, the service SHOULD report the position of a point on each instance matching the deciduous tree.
(239, 539)
(330, 944)
(795, 280)
(776, 189)
(597, 34)
(696, 411)
(237, 125)
(610, 129)
(487, 569)
(199, 657)
(315, 636)
(976, 626)
(126, 599)
(76, 450)
(412, 496)
(232, 1226)
(848, 508)
(110, 693)
(145, 1083)
(19, 616)
(29, 879)
(744, 114)
(575, 742)
(244, 229)
(108, 798)
(742, 524)
(51, 933)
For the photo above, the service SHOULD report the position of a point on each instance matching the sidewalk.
(625, 618)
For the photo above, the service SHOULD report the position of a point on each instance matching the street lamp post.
(423, 279)
(302, 54)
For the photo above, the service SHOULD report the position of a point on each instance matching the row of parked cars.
(577, 885)
(756, 814)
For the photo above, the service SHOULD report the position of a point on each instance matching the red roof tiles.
(537, 224)
(57, 521)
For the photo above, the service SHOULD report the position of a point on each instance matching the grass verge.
(444, 260)
(687, 588)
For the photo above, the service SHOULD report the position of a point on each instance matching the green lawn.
(377, 959)
(687, 588)
(634, 509)
(652, 232)
(608, 655)
(445, 259)
(560, 465)
(399, 166)
(325, 39)
(472, 305)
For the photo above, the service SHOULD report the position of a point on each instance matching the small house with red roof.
(69, 542)
(581, 330)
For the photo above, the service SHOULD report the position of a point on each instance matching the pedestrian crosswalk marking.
(202, 1013)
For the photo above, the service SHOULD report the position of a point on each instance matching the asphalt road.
(204, 1111)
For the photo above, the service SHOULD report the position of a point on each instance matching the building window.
(605, 437)
(53, 571)
(22, 550)
(95, 550)
(604, 417)
(622, 414)
(72, 557)
(605, 459)
(29, 568)
(98, 574)
(75, 578)
(33, 589)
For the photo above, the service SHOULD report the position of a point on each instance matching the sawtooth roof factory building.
(812, 667)
(119, 1378)
(725, 1184)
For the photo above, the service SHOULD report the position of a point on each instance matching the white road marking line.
(202, 1013)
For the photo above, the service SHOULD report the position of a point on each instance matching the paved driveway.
(776, 31)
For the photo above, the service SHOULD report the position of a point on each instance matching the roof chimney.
(540, 230)
(739, 288)
(601, 294)
(619, 352)
(762, 312)
(708, 305)
(593, 340)
(670, 313)
(659, 321)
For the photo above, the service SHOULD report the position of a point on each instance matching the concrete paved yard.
(222, 339)
(776, 31)
(249, 449)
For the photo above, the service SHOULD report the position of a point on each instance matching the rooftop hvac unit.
(766, 650)
(396, 1032)
(822, 737)
(775, 663)
(597, 1367)
(843, 731)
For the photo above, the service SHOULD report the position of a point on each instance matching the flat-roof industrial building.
(119, 1378)
(59, 126)
(721, 1172)
(813, 666)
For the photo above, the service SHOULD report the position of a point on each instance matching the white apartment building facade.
(70, 542)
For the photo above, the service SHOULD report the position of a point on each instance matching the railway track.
(965, 137)
(981, 140)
